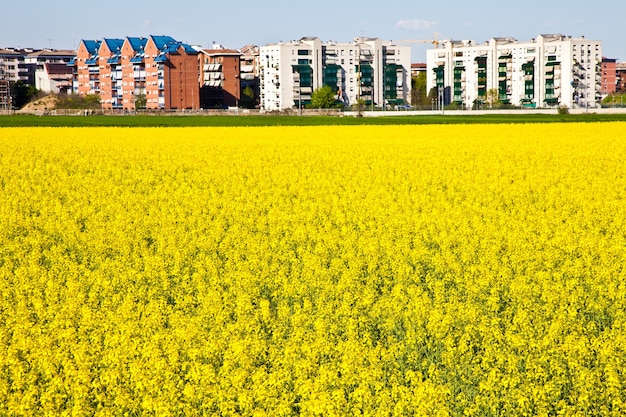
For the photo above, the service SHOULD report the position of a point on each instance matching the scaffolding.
(5, 89)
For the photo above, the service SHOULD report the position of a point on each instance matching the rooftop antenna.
(50, 41)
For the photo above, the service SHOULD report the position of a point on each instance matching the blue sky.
(62, 25)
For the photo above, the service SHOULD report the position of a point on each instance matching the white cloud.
(146, 23)
(415, 24)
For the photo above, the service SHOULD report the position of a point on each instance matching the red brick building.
(609, 76)
(156, 72)
(172, 74)
(86, 64)
(620, 71)
(220, 81)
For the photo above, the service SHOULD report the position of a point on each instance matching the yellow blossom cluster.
(460, 270)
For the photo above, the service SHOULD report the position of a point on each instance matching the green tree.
(493, 97)
(323, 98)
(419, 97)
(74, 101)
(247, 97)
(23, 93)
(359, 106)
(140, 101)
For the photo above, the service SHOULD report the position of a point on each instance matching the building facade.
(48, 70)
(548, 71)
(13, 61)
(609, 76)
(249, 75)
(220, 81)
(620, 75)
(157, 73)
(368, 69)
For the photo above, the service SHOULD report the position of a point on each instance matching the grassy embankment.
(145, 120)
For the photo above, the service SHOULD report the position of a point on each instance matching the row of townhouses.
(548, 71)
(161, 73)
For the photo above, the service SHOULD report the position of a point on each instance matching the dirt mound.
(40, 105)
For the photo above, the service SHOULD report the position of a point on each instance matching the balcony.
(246, 68)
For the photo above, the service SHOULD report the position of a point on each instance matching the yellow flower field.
(460, 270)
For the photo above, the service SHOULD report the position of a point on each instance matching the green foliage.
(493, 97)
(75, 101)
(359, 106)
(23, 93)
(140, 101)
(563, 109)
(323, 98)
(248, 99)
(615, 99)
(419, 97)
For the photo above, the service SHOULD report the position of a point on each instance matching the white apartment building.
(376, 71)
(549, 71)
(50, 70)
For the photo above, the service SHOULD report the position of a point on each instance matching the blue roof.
(114, 45)
(91, 45)
(170, 45)
(189, 49)
(137, 59)
(162, 41)
(115, 59)
(137, 43)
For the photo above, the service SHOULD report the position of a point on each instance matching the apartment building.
(48, 71)
(156, 72)
(548, 71)
(6, 101)
(609, 76)
(86, 71)
(249, 75)
(220, 81)
(417, 68)
(14, 67)
(620, 74)
(368, 69)
(23, 64)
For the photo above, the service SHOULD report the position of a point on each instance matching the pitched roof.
(92, 46)
(52, 53)
(114, 44)
(58, 69)
(162, 42)
(168, 45)
(218, 52)
(137, 43)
